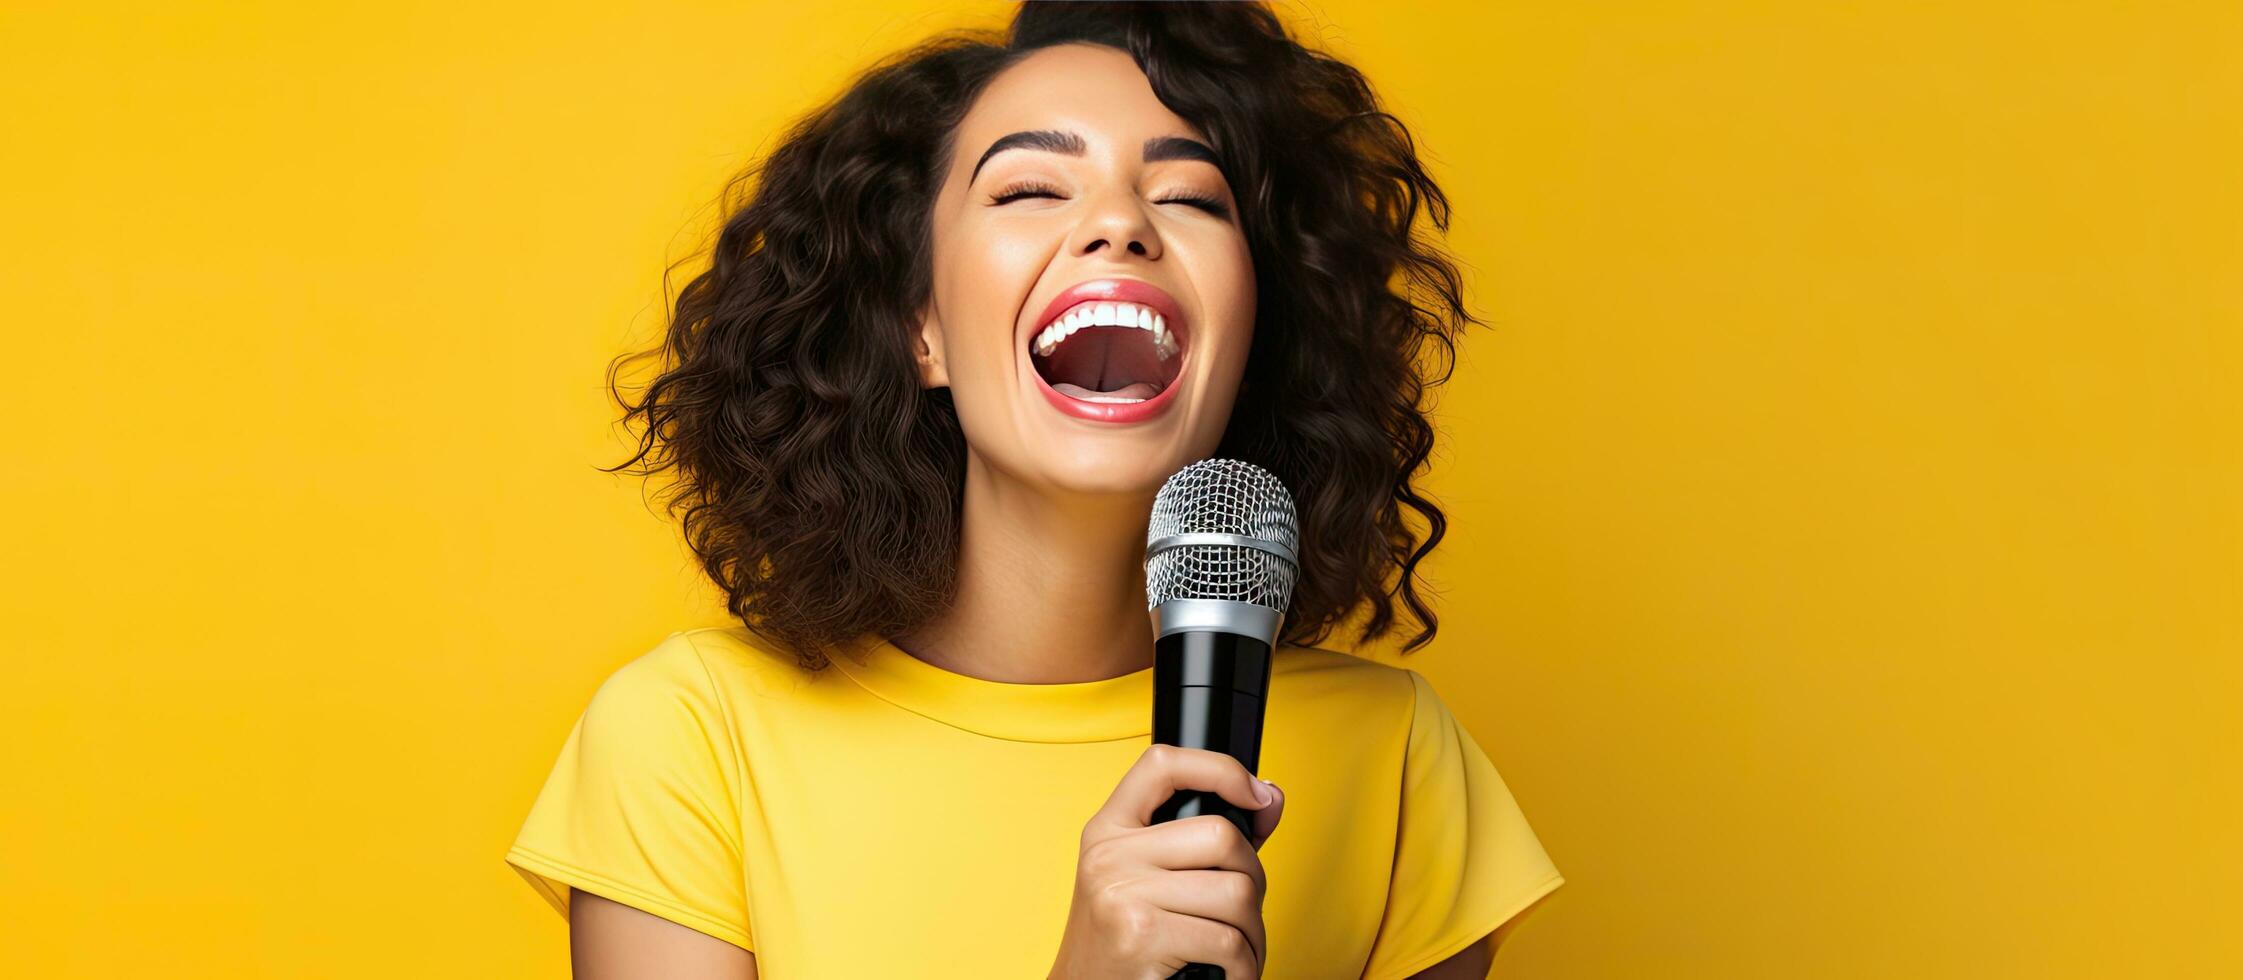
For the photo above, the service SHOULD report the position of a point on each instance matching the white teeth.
(1107, 315)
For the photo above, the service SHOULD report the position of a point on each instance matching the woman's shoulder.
(1305, 660)
(710, 663)
(1333, 677)
(737, 659)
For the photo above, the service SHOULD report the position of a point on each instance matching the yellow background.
(1848, 495)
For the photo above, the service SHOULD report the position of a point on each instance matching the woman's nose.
(1118, 221)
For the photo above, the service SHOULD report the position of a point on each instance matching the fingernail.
(1264, 792)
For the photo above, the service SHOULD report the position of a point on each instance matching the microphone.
(1220, 562)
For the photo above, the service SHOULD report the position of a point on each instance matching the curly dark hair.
(820, 485)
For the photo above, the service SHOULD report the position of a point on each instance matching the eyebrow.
(1157, 149)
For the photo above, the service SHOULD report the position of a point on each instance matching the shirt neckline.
(1089, 711)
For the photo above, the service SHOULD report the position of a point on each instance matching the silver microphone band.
(1217, 616)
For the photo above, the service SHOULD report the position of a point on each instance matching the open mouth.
(1108, 352)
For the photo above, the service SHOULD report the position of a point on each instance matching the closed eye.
(1018, 191)
(1207, 204)
(1210, 205)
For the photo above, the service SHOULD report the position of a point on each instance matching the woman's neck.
(1050, 586)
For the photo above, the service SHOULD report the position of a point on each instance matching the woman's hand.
(1151, 898)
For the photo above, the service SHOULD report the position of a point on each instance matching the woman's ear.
(927, 348)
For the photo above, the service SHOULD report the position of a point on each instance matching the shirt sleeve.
(1465, 860)
(643, 805)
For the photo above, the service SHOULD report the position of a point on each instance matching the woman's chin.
(1103, 464)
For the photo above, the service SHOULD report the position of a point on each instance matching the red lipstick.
(1116, 290)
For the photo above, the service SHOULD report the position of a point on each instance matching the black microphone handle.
(1209, 689)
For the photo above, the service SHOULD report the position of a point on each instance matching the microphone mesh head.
(1223, 496)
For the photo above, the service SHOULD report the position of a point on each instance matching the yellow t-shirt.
(888, 818)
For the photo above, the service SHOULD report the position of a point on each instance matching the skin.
(1056, 505)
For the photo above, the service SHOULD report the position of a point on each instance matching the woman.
(924, 486)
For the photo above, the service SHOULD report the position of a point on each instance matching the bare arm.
(609, 940)
(1471, 962)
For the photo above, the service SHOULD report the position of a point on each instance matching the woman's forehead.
(1094, 93)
